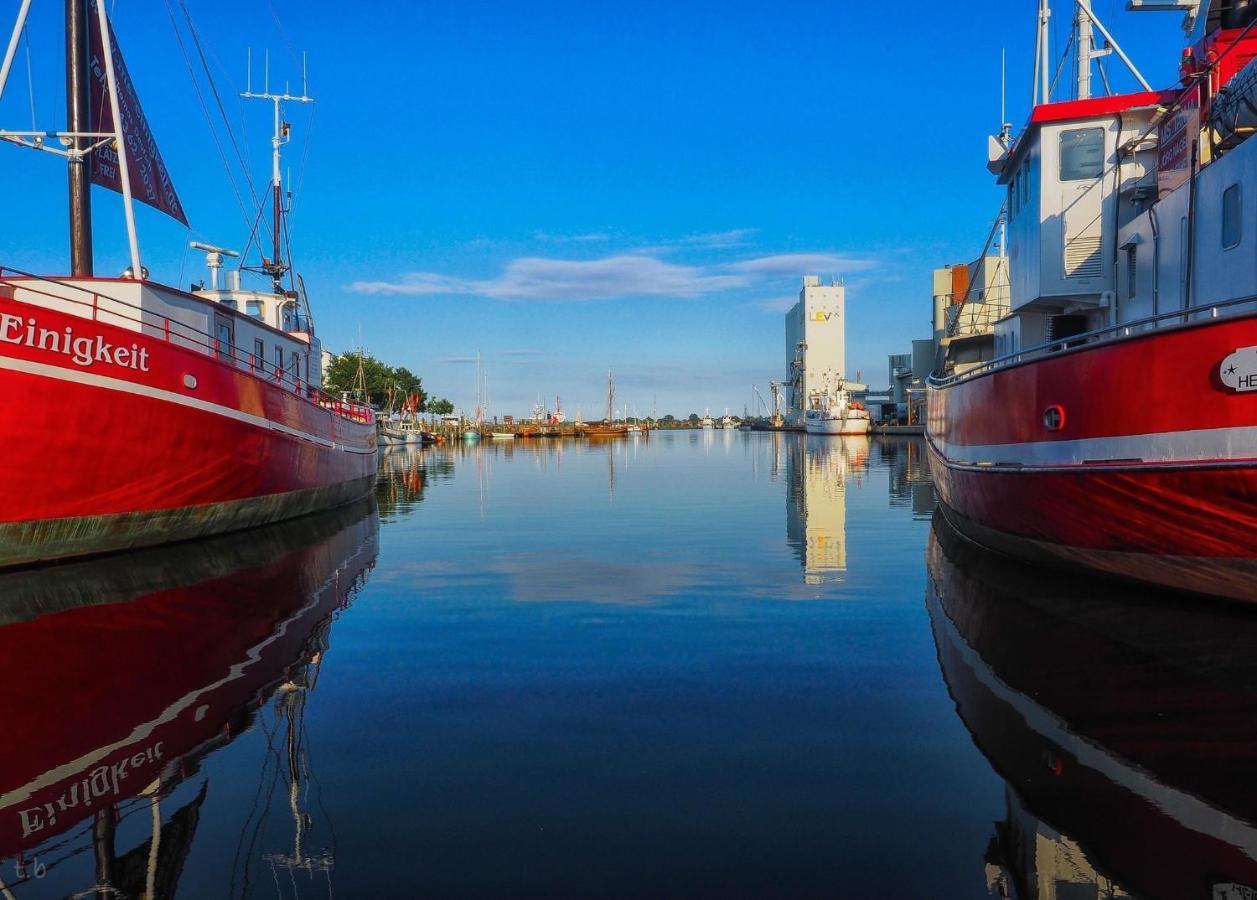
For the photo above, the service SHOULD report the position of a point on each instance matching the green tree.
(441, 407)
(693, 418)
(342, 377)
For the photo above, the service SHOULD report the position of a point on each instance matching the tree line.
(381, 379)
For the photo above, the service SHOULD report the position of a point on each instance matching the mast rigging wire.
(200, 96)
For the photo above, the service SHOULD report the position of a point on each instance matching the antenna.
(1003, 86)
(276, 267)
(213, 259)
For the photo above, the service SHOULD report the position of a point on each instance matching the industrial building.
(816, 344)
(968, 298)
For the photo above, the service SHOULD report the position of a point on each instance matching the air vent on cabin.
(1082, 257)
(1061, 327)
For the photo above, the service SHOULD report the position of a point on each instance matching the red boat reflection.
(123, 673)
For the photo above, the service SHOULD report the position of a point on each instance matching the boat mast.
(1040, 83)
(78, 121)
(610, 399)
(1084, 39)
(276, 267)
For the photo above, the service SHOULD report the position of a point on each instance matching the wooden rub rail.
(180, 335)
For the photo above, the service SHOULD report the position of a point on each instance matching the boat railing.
(181, 334)
(1186, 316)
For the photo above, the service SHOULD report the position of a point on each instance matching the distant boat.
(390, 435)
(832, 411)
(502, 435)
(707, 422)
(608, 428)
(471, 434)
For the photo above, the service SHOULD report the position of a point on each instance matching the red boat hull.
(1106, 457)
(106, 457)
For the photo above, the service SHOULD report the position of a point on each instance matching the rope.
(200, 96)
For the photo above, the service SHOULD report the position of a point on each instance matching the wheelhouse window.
(1132, 268)
(224, 338)
(279, 363)
(1082, 154)
(259, 353)
(1184, 237)
(1232, 227)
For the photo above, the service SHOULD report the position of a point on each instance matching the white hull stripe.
(143, 390)
(1188, 810)
(1204, 445)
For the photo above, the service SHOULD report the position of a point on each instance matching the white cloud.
(412, 284)
(734, 237)
(538, 278)
(800, 264)
(535, 278)
(636, 274)
(590, 237)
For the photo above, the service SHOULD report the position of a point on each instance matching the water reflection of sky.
(574, 670)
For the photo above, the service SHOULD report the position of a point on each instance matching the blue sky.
(568, 187)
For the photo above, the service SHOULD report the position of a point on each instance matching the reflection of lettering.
(32, 868)
(103, 781)
(83, 351)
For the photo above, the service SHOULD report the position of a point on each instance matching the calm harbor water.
(698, 664)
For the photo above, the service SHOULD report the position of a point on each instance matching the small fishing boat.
(502, 435)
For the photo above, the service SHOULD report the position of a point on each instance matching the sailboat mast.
(610, 399)
(78, 121)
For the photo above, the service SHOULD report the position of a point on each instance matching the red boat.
(175, 651)
(1109, 420)
(141, 414)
